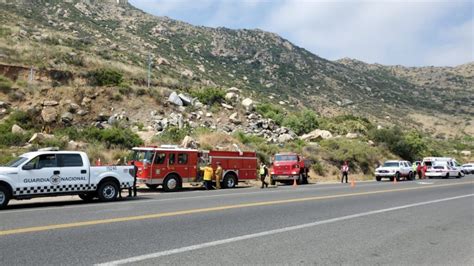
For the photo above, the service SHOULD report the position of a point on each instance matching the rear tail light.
(296, 166)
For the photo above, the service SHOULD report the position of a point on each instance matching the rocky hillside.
(81, 35)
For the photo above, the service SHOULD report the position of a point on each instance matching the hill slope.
(77, 36)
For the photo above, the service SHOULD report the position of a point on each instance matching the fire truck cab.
(171, 166)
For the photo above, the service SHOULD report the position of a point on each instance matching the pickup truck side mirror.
(28, 167)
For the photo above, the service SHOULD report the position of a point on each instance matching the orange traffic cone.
(294, 183)
(353, 184)
(395, 180)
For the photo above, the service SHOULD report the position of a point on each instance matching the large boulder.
(175, 99)
(228, 107)
(40, 138)
(49, 114)
(285, 138)
(190, 143)
(67, 118)
(317, 134)
(234, 90)
(248, 104)
(185, 99)
(231, 96)
(234, 118)
(16, 129)
(352, 135)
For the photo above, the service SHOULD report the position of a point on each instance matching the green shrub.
(302, 122)
(318, 168)
(11, 139)
(173, 135)
(5, 84)
(111, 137)
(249, 139)
(271, 111)
(209, 95)
(409, 146)
(105, 77)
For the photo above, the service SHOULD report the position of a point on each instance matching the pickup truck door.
(74, 172)
(38, 176)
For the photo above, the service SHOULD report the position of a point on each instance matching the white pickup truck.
(55, 173)
(395, 169)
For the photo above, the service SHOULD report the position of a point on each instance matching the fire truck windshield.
(146, 156)
(280, 158)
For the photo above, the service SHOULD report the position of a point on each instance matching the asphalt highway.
(412, 222)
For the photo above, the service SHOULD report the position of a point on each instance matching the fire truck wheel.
(152, 186)
(230, 180)
(171, 183)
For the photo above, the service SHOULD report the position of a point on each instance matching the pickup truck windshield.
(16, 162)
(391, 164)
(143, 155)
(281, 158)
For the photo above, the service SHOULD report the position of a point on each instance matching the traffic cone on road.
(353, 184)
(395, 180)
(294, 183)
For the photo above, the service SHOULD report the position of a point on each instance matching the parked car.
(467, 168)
(443, 170)
(395, 169)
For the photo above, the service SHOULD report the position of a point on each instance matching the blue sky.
(391, 32)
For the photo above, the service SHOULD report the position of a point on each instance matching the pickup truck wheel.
(410, 176)
(171, 183)
(87, 197)
(151, 186)
(5, 196)
(108, 191)
(230, 180)
(460, 175)
(397, 176)
(447, 176)
(378, 178)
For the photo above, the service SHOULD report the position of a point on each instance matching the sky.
(389, 32)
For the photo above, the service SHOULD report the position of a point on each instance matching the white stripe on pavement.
(271, 232)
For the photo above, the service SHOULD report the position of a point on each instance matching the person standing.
(345, 172)
(218, 175)
(418, 170)
(208, 173)
(423, 170)
(263, 174)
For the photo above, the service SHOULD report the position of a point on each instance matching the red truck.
(170, 166)
(287, 167)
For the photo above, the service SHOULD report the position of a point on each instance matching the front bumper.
(384, 174)
(284, 177)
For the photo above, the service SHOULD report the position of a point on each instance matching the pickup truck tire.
(151, 186)
(108, 191)
(87, 197)
(171, 183)
(378, 178)
(460, 175)
(397, 176)
(410, 176)
(230, 180)
(5, 196)
(447, 176)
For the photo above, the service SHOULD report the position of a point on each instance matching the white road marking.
(271, 232)
(264, 191)
(425, 183)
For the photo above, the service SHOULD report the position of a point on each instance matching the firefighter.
(218, 175)
(418, 170)
(208, 172)
(263, 174)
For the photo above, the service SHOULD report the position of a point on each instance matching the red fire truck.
(171, 166)
(287, 167)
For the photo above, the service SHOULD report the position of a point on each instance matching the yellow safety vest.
(208, 172)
